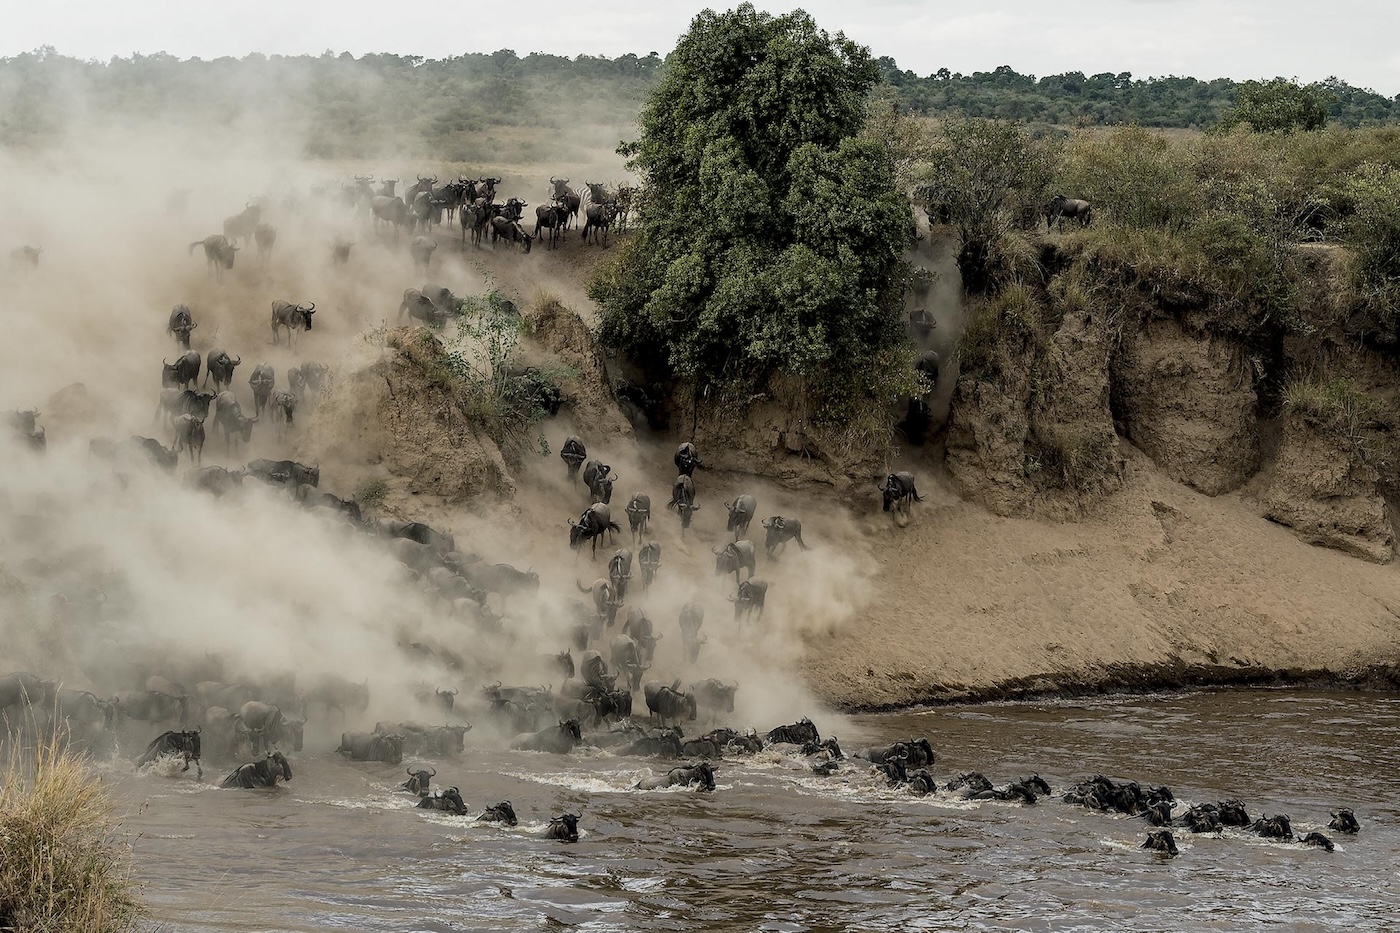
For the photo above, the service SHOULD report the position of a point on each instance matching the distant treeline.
(455, 108)
(1076, 99)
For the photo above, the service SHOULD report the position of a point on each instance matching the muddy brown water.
(774, 848)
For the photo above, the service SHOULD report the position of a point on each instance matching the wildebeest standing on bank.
(244, 224)
(591, 525)
(667, 702)
(293, 317)
(183, 373)
(340, 251)
(284, 406)
(219, 366)
(735, 556)
(650, 559)
(741, 513)
(752, 595)
(219, 254)
(573, 453)
(599, 479)
(264, 773)
(558, 740)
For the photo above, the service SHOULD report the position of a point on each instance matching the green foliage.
(1130, 176)
(1337, 406)
(1278, 106)
(771, 245)
(372, 492)
(1373, 232)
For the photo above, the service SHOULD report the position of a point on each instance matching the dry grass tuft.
(60, 868)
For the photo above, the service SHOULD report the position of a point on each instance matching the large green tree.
(1278, 106)
(772, 235)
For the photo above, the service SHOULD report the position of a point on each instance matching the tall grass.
(61, 869)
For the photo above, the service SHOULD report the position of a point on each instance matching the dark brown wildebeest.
(219, 254)
(293, 317)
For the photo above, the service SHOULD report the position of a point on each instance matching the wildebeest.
(285, 473)
(1344, 821)
(1161, 840)
(620, 572)
(700, 775)
(180, 324)
(183, 373)
(683, 500)
(605, 600)
(714, 694)
(551, 217)
(449, 801)
(502, 579)
(389, 210)
(627, 658)
(798, 733)
(371, 746)
(189, 436)
(26, 255)
(751, 596)
(229, 416)
(667, 702)
(503, 228)
(419, 780)
(443, 542)
(573, 454)
(22, 690)
(265, 236)
(219, 254)
(780, 532)
(597, 476)
(159, 454)
(1073, 208)
(898, 491)
(263, 380)
(219, 366)
(566, 198)
(340, 251)
(174, 745)
(267, 726)
(420, 308)
(1274, 827)
(598, 217)
(692, 617)
(1318, 840)
(293, 317)
(741, 512)
(241, 226)
(284, 409)
(638, 514)
(558, 740)
(650, 559)
(86, 713)
(733, 557)
(263, 773)
(422, 249)
(594, 672)
(591, 525)
(687, 458)
(562, 828)
(921, 322)
(502, 812)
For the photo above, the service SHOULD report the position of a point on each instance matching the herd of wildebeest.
(205, 712)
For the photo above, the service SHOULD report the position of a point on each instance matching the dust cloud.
(111, 573)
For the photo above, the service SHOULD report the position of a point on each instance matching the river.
(777, 849)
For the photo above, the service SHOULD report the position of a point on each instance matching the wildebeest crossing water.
(775, 847)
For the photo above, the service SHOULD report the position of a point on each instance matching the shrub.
(60, 869)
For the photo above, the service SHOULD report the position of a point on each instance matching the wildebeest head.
(277, 761)
(418, 781)
(563, 828)
(446, 697)
(571, 727)
(306, 310)
(561, 187)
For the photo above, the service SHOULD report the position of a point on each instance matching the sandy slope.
(1164, 585)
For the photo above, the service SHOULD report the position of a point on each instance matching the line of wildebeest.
(422, 208)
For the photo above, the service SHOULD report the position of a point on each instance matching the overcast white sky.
(1357, 40)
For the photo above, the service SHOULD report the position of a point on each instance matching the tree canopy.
(1278, 106)
(772, 237)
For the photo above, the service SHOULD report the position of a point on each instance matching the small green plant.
(372, 492)
(1336, 405)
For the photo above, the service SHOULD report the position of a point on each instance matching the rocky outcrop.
(1038, 434)
(1188, 402)
(1323, 487)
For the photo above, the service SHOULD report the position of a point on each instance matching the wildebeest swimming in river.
(264, 773)
(563, 828)
(418, 781)
(174, 745)
(559, 740)
(502, 812)
(1161, 841)
(700, 775)
(449, 801)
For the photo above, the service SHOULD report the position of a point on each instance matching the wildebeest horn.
(410, 771)
(766, 522)
(420, 177)
(237, 360)
(196, 730)
(453, 692)
(193, 324)
(432, 772)
(165, 361)
(310, 307)
(713, 551)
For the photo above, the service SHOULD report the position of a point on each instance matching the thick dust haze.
(111, 573)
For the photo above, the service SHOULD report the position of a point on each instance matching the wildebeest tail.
(194, 244)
